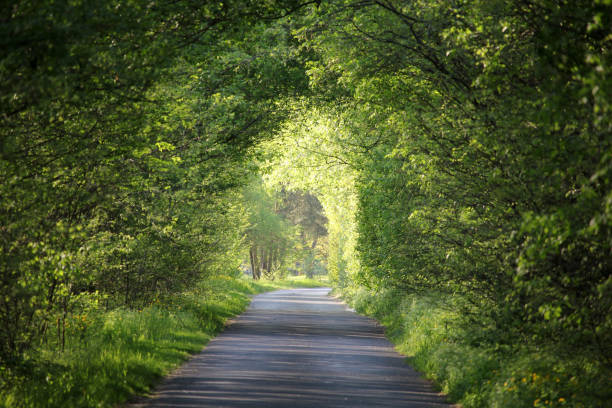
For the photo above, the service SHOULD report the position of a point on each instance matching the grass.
(426, 329)
(111, 356)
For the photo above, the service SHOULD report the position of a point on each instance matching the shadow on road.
(297, 348)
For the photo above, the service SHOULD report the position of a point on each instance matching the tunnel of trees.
(455, 149)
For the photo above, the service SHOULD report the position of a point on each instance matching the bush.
(110, 356)
(441, 343)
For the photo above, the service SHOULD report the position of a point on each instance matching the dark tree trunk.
(254, 263)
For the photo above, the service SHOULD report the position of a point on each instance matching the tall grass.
(110, 356)
(427, 329)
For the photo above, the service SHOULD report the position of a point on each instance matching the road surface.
(297, 348)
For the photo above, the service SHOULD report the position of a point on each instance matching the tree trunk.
(267, 258)
(273, 259)
(314, 242)
(254, 263)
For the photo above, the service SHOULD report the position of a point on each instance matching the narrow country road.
(297, 348)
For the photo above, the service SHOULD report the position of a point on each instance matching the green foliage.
(271, 238)
(478, 132)
(309, 155)
(459, 147)
(286, 232)
(110, 356)
(473, 141)
(429, 330)
(125, 136)
(305, 212)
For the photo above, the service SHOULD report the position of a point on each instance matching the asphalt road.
(297, 348)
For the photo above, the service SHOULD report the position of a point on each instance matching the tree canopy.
(462, 147)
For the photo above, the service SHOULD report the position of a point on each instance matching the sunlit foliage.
(458, 149)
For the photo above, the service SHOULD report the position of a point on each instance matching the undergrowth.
(428, 329)
(111, 356)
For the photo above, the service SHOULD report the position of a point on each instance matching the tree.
(492, 133)
(270, 237)
(125, 134)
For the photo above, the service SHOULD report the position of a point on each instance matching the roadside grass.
(111, 356)
(426, 329)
